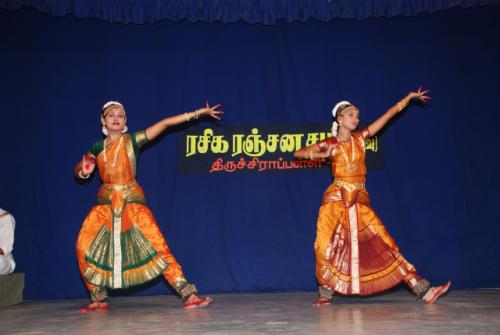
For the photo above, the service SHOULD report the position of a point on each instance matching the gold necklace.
(351, 166)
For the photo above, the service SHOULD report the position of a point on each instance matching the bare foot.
(94, 306)
(195, 301)
(435, 292)
(322, 301)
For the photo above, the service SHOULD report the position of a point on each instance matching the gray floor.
(459, 312)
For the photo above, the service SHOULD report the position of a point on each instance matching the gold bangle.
(309, 155)
(81, 175)
(402, 104)
(186, 115)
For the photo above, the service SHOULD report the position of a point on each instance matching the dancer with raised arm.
(354, 253)
(120, 244)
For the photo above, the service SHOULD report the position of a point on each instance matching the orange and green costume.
(120, 244)
(355, 255)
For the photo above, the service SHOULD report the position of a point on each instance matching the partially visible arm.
(315, 151)
(7, 225)
(380, 123)
(159, 127)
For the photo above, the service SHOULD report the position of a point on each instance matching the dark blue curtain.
(438, 194)
(226, 11)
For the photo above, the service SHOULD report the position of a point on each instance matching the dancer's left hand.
(212, 111)
(420, 95)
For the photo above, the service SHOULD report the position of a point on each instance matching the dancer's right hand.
(88, 165)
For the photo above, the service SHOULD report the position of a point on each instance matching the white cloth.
(7, 226)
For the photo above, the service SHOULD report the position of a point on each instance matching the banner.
(257, 149)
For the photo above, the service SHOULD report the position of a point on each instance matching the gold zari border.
(120, 188)
(351, 187)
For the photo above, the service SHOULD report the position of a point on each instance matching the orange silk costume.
(120, 244)
(354, 252)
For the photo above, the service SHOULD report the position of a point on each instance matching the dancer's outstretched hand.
(420, 95)
(212, 111)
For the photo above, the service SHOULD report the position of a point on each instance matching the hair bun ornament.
(335, 125)
(111, 103)
(338, 105)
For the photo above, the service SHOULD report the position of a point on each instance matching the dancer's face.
(115, 119)
(349, 118)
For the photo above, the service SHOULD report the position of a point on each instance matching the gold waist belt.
(121, 188)
(351, 187)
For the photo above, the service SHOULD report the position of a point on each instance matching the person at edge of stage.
(355, 255)
(120, 244)
(7, 227)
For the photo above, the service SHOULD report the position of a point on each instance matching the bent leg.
(331, 251)
(141, 216)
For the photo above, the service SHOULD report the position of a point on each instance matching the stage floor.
(459, 312)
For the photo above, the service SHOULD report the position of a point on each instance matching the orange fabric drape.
(121, 204)
(354, 252)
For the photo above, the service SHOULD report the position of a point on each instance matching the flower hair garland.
(335, 125)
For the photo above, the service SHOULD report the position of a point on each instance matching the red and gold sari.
(120, 244)
(354, 252)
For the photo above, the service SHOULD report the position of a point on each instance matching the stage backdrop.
(437, 193)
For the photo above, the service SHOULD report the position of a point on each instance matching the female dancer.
(120, 244)
(354, 253)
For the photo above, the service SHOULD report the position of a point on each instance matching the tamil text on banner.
(257, 149)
